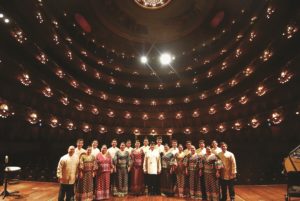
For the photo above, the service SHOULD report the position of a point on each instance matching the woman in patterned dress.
(180, 170)
(166, 182)
(105, 167)
(122, 167)
(192, 163)
(87, 168)
(211, 166)
(137, 173)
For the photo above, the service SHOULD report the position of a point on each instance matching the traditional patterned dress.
(180, 172)
(122, 162)
(210, 164)
(192, 163)
(137, 173)
(166, 182)
(104, 162)
(87, 165)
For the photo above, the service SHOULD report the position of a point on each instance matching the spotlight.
(144, 59)
(6, 20)
(1, 15)
(165, 59)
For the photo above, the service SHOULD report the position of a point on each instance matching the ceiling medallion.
(152, 4)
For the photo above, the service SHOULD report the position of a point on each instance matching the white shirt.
(160, 148)
(216, 151)
(112, 151)
(67, 169)
(152, 163)
(129, 149)
(95, 151)
(78, 152)
(229, 163)
(201, 151)
(145, 149)
(174, 150)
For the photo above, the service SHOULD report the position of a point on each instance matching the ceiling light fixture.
(165, 59)
(144, 59)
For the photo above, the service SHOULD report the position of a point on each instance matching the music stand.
(7, 170)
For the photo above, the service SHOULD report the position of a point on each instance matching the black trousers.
(227, 184)
(203, 189)
(113, 182)
(152, 184)
(66, 190)
(129, 181)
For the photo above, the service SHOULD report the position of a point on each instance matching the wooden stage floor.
(45, 191)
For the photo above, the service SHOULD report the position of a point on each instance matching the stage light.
(79, 107)
(53, 122)
(102, 129)
(1, 15)
(144, 59)
(6, 20)
(136, 132)
(74, 83)
(95, 110)
(86, 128)
(165, 59)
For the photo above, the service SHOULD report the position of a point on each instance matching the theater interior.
(130, 69)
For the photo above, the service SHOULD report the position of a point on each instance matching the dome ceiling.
(76, 64)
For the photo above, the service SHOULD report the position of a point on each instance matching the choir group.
(204, 173)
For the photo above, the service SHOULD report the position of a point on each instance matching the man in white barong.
(228, 173)
(66, 174)
(95, 149)
(113, 176)
(79, 149)
(152, 168)
(215, 149)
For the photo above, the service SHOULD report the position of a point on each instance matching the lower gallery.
(150, 99)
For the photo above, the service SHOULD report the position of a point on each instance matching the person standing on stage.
(66, 174)
(145, 147)
(188, 145)
(159, 145)
(201, 152)
(174, 148)
(215, 149)
(174, 151)
(187, 153)
(192, 163)
(210, 169)
(137, 174)
(95, 149)
(228, 172)
(79, 150)
(160, 148)
(129, 149)
(128, 146)
(113, 177)
(105, 168)
(122, 163)
(167, 168)
(179, 170)
(152, 168)
(87, 169)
